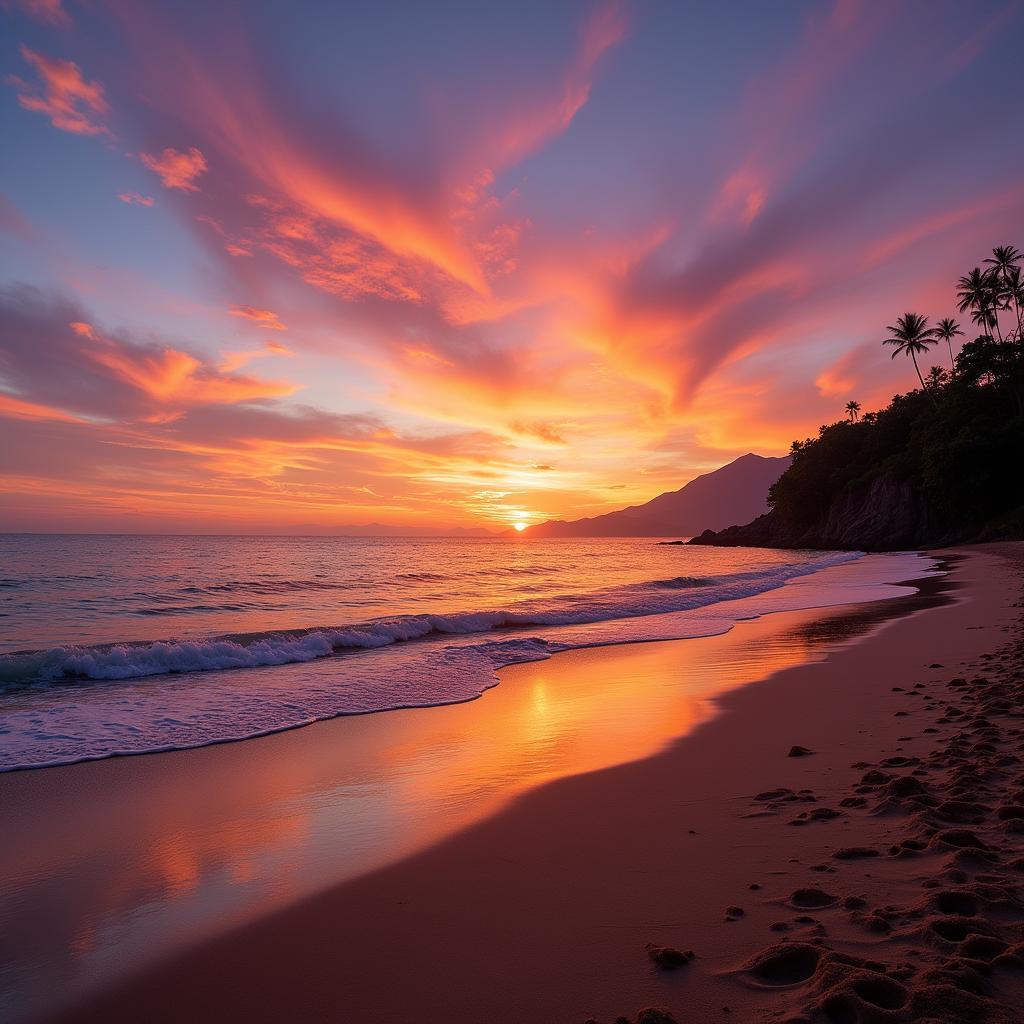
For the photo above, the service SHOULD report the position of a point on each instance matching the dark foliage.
(962, 454)
(948, 457)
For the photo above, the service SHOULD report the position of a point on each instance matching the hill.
(733, 493)
(940, 465)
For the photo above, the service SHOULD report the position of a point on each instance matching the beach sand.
(777, 871)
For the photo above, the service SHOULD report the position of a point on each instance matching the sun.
(519, 527)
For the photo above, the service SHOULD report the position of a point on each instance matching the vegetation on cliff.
(943, 463)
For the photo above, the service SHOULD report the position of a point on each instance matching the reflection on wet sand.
(111, 863)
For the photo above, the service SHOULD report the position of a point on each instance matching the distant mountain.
(736, 493)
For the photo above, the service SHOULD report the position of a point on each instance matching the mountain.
(735, 493)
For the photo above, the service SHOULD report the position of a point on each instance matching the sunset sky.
(286, 267)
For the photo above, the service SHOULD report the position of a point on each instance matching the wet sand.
(544, 911)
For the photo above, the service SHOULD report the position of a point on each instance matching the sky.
(287, 267)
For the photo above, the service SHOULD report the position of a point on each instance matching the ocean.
(114, 645)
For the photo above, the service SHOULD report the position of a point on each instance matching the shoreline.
(530, 649)
(339, 952)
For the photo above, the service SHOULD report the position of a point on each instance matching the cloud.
(106, 424)
(539, 111)
(135, 198)
(177, 169)
(70, 102)
(178, 378)
(233, 361)
(52, 355)
(261, 317)
(49, 12)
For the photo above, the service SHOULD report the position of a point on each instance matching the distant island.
(939, 465)
(714, 500)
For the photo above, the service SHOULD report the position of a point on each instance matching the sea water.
(113, 645)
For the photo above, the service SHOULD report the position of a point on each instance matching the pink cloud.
(135, 198)
(70, 102)
(177, 169)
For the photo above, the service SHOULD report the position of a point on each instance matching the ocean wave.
(135, 660)
(683, 582)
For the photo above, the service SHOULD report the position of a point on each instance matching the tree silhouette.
(1006, 279)
(976, 291)
(947, 329)
(911, 336)
(853, 411)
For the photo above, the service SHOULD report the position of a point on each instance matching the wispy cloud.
(261, 317)
(135, 198)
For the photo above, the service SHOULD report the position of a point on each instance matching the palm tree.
(977, 291)
(985, 318)
(948, 329)
(853, 411)
(1003, 261)
(911, 336)
(1015, 291)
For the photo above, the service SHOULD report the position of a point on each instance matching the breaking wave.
(135, 660)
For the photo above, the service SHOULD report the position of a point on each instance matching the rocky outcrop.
(886, 515)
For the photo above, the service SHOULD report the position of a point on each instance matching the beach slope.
(843, 841)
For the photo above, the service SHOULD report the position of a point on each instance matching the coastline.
(585, 871)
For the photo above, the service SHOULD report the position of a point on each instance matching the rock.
(811, 898)
(786, 964)
(798, 751)
(855, 853)
(668, 958)
(654, 1015)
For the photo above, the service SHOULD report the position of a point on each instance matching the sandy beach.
(873, 878)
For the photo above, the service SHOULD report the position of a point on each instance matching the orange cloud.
(18, 409)
(70, 102)
(177, 169)
(842, 376)
(179, 378)
(261, 317)
(83, 330)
